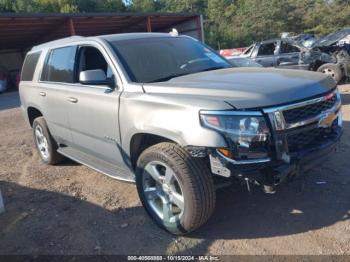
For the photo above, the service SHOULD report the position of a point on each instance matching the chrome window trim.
(279, 123)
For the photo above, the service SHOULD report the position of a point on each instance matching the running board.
(97, 164)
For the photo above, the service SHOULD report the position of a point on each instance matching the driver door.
(288, 56)
(266, 54)
(93, 110)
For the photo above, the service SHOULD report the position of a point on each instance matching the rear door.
(265, 54)
(93, 109)
(56, 77)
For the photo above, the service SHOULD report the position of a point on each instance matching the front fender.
(174, 119)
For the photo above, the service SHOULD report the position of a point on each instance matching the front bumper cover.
(275, 171)
(284, 164)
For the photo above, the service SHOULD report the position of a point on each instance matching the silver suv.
(170, 114)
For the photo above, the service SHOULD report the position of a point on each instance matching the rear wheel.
(45, 143)
(176, 190)
(333, 70)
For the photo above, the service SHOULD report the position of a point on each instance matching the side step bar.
(97, 164)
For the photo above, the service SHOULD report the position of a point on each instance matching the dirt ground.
(71, 209)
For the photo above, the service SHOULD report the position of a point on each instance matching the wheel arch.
(32, 113)
(141, 141)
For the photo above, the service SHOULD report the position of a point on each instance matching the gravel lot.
(70, 209)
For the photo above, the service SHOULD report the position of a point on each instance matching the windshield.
(162, 58)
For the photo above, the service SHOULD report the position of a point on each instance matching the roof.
(110, 37)
(60, 41)
(127, 36)
(22, 31)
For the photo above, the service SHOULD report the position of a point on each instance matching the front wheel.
(176, 190)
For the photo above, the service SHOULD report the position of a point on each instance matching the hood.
(332, 38)
(246, 88)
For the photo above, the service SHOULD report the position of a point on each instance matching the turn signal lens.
(225, 151)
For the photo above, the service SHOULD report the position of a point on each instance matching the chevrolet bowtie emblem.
(326, 119)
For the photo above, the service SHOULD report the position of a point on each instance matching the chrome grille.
(308, 111)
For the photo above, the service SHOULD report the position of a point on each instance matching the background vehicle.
(243, 62)
(170, 114)
(328, 55)
(275, 53)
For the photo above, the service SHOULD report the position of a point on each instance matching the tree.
(144, 5)
(194, 6)
(110, 6)
(227, 23)
(324, 17)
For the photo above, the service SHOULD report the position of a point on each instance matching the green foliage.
(227, 23)
(144, 5)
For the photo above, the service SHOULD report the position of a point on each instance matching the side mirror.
(95, 77)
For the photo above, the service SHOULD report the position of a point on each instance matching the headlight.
(246, 132)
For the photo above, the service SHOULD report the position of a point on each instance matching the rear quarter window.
(59, 65)
(29, 66)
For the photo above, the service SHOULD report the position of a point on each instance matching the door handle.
(42, 93)
(72, 99)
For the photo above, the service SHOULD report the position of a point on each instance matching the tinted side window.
(288, 48)
(59, 66)
(267, 49)
(29, 66)
(90, 58)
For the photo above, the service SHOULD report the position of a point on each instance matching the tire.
(332, 70)
(45, 144)
(192, 180)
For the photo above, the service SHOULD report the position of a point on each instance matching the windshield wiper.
(213, 68)
(167, 78)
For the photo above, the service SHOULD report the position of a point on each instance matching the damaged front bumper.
(297, 145)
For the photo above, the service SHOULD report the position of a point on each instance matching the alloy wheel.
(163, 191)
(41, 142)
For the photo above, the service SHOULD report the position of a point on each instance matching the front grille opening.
(308, 111)
(311, 138)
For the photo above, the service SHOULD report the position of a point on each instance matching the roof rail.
(58, 41)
